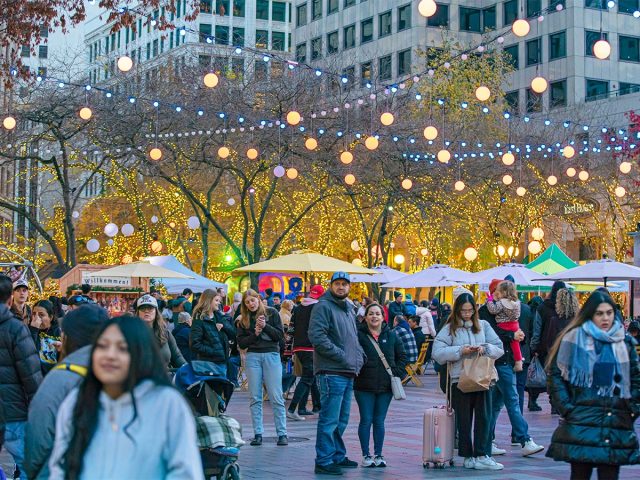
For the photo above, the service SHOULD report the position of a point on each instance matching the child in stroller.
(219, 436)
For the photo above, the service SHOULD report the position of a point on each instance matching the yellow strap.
(80, 370)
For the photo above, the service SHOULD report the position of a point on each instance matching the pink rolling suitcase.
(439, 433)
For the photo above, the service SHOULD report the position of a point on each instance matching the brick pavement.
(402, 445)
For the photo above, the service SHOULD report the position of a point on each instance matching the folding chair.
(415, 369)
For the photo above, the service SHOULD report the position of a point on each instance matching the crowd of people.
(80, 390)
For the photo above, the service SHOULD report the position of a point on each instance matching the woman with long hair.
(260, 331)
(125, 420)
(465, 336)
(46, 334)
(594, 382)
(372, 386)
(286, 309)
(211, 331)
(146, 308)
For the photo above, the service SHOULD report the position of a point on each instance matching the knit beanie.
(459, 291)
(80, 326)
(397, 294)
(493, 285)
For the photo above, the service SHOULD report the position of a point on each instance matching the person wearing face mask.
(46, 334)
(260, 331)
(147, 311)
(594, 382)
(372, 386)
(337, 360)
(125, 420)
(465, 336)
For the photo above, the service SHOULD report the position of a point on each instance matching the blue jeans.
(505, 394)
(266, 368)
(521, 381)
(233, 367)
(373, 411)
(14, 443)
(335, 400)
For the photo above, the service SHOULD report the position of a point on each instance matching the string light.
(346, 157)
(211, 80)
(9, 123)
(508, 158)
(444, 156)
(571, 172)
(125, 63)
(387, 118)
(625, 167)
(349, 179)
(371, 143)
(520, 28)
(430, 132)
(311, 143)
(483, 93)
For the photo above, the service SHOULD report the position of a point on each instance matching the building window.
(513, 101)
(262, 38)
(262, 9)
(155, 48)
(597, 90)
(25, 51)
(365, 74)
(627, 88)
(534, 52)
(332, 43)
(366, 30)
(628, 6)
(384, 24)
(534, 7)
(513, 55)
(349, 3)
(301, 53)
(238, 10)
(440, 18)
(510, 12)
(222, 35)
(629, 48)
(384, 68)
(204, 61)
(278, 11)
(43, 51)
(148, 51)
(590, 38)
(316, 9)
(238, 37)
(404, 62)
(557, 45)
(404, 17)
(316, 48)
(301, 15)
(205, 32)
(277, 41)
(349, 37)
(489, 19)
(558, 94)
(205, 6)
(597, 4)
(332, 6)
(469, 19)
(534, 101)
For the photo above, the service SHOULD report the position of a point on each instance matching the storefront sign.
(105, 281)
(582, 207)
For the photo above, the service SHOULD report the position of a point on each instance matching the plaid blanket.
(222, 431)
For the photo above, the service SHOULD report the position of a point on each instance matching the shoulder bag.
(396, 382)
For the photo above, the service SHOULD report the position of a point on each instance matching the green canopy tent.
(552, 260)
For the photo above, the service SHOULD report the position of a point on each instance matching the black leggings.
(583, 471)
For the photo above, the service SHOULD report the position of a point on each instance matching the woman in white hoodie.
(464, 336)
(125, 420)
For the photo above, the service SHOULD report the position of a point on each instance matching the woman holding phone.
(260, 331)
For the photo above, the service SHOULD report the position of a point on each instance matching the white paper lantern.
(110, 229)
(537, 233)
(193, 222)
(93, 245)
(279, 171)
(470, 254)
(534, 247)
(127, 229)
(427, 8)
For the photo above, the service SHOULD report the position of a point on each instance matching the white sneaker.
(295, 416)
(379, 461)
(487, 463)
(531, 447)
(497, 451)
(469, 463)
(367, 461)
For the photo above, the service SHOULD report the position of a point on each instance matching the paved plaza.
(402, 445)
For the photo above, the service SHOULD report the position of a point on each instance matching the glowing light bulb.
(293, 118)
(483, 93)
(539, 84)
(85, 113)
(521, 191)
(399, 259)
(444, 156)
(155, 154)
(571, 172)
(537, 233)
(156, 246)
(508, 158)
(470, 254)
(520, 28)
(507, 179)
(252, 154)
(583, 175)
(407, 184)
(427, 8)
(620, 192)
(552, 180)
(292, 173)
(371, 143)
(311, 143)
(387, 119)
(625, 167)
(125, 63)
(349, 179)
(211, 80)
(568, 152)
(224, 152)
(346, 157)
(9, 123)
(459, 185)
(602, 49)
(430, 133)
(534, 247)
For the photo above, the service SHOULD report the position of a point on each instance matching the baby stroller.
(219, 436)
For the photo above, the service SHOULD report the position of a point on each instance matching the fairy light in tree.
(520, 28)
(625, 167)
(211, 80)
(346, 157)
(9, 122)
(125, 63)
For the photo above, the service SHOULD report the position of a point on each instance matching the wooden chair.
(415, 369)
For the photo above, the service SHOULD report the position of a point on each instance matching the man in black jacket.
(20, 373)
(414, 323)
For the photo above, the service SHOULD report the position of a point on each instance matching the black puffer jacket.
(595, 429)
(209, 343)
(373, 377)
(20, 372)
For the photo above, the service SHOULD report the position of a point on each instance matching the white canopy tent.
(436, 275)
(175, 286)
(384, 274)
(605, 270)
(522, 276)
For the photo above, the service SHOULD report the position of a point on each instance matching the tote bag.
(477, 374)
